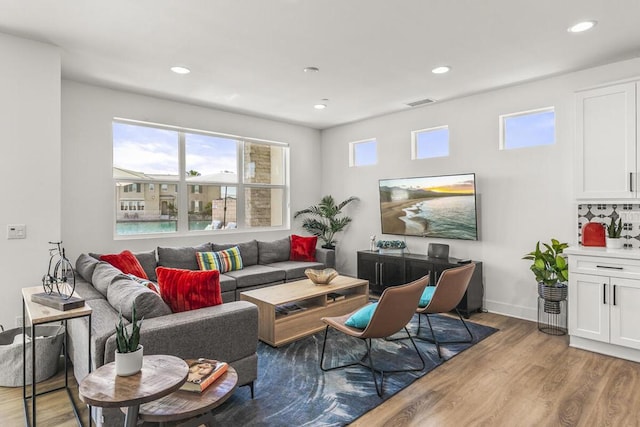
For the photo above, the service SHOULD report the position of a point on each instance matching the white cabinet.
(607, 152)
(604, 301)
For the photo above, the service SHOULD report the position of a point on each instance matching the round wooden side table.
(191, 406)
(160, 375)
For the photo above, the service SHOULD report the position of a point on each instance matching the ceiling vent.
(421, 102)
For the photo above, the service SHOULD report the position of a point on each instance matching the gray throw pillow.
(248, 251)
(85, 265)
(103, 274)
(124, 292)
(275, 251)
(184, 258)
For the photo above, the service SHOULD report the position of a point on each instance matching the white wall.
(524, 195)
(88, 198)
(29, 165)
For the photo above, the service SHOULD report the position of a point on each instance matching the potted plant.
(128, 348)
(324, 221)
(614, 233)
(551, 270)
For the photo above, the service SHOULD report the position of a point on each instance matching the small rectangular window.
(363, 153)
(528, 129)
(428, 143)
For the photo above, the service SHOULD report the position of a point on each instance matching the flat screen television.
(431, 206)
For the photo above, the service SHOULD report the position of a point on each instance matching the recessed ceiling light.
(441, 70)
(320, 106)
(180, 70)
(582, 26)
(311, 70)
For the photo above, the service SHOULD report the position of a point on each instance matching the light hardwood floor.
(516, 377)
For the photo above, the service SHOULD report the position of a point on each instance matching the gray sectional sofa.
(227, 332)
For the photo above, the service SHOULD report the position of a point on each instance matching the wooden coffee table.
(160, 376)
(191, 406)
(277, 329)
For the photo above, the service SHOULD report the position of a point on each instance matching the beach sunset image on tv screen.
(436, 206)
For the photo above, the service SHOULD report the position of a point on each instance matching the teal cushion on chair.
(361, 318)
(425, 299)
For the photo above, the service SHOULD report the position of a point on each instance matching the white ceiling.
(374, 55)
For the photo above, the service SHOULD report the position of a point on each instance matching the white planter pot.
(614, 243)
(129, 363)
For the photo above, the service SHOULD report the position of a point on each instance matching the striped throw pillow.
(223, 261)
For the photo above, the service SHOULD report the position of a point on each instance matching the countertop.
(627, 253)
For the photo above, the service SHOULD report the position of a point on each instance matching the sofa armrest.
(327, 257)
(226, 332)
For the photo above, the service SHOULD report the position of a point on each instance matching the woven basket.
(48, 349)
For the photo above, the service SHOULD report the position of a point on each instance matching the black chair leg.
(370, 364)
(251, 388)
(436, 341)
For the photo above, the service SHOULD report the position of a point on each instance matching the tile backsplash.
(601, 212)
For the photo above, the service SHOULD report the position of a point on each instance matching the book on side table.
(203, 373)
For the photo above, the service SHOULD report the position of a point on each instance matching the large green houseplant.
(323, 219)
(551, 270)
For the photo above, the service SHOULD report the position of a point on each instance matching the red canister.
(593, 234)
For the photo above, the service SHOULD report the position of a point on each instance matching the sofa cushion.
(227, 283)
(186, 290)
(103, 275)
(181, 258)
(248, 251)
(85, 265)
(275, 251)
(295, 269)
(126, 262)
(303, 248)
(256, 275)
(223, 261)
(86, 291)
(123, 292)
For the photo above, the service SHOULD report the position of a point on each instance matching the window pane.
(263, 207)
(431, 143)
(211, 158)
(263, 164)
(146, 211)
(214, 208)
(144, 152)
(528, 130)
(365, 153)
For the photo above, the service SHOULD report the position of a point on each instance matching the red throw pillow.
(126, 262)
(185, 290)
(303, 248)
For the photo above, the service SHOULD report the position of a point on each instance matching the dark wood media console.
(384, 270)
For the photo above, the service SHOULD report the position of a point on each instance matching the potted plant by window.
(128, 348)
(323, 219)
(614, 233)
(552, 272)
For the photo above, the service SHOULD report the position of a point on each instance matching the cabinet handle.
(609, 267)
(631, 182)
(376, 275)
(381, 273)
(604, 293)
(614, 294)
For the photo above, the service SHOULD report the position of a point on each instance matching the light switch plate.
(16, 231)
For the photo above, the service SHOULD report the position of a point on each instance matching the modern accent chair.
(395, 309)
(447, 294)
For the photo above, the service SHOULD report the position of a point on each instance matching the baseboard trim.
(519, 312)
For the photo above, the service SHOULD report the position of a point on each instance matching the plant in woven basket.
(549, 265)
(128, 342)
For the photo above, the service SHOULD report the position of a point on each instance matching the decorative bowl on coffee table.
(321, 277)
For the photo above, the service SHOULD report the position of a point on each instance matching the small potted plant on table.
(614, 233)
(128, 355)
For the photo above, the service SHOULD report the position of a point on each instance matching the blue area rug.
(291, 390)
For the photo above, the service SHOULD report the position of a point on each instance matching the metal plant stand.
(552, 317)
